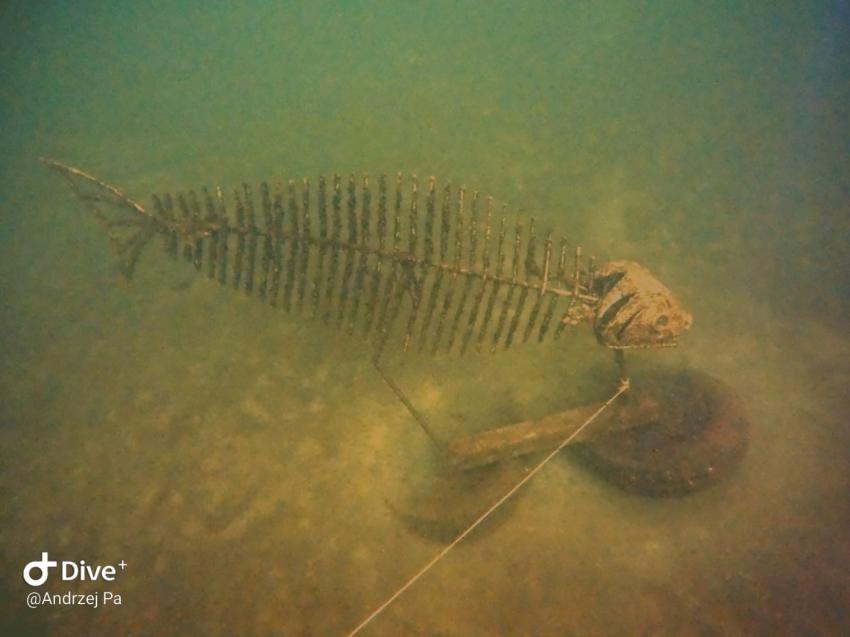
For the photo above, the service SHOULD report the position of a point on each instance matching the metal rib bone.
(535, 309)
(336, 234)
(455, 271)
(506, 306)
(467, 284)
(251, 229)
(437, 284)
(224, 235)
(523, 293)
(494, 293)
(198, 255)
(553, 300)
(363, 259)
(212, 219)
(304, 239)
(240, 240)
(323, 245)
(379, 258)
(294, 245)
(164, 210)
(187, 235)
(485, 279)
(349, 254)
(268, 239)
(277, 245)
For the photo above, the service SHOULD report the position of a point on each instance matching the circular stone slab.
(697, 435)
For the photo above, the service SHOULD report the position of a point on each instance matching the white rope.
(624, 385)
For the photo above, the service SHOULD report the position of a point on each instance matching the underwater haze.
(252, 469)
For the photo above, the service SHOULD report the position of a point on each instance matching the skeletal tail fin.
(127, 224)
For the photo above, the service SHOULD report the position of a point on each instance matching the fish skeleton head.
(635, 308)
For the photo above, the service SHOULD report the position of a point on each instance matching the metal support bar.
(417, 416)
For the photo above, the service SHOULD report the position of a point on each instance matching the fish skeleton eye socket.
(661, 321)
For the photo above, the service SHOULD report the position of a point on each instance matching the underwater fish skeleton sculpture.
(353, 254)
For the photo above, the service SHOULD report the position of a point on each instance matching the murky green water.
(245, 463)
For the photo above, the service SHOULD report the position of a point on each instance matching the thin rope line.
(624, 385)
